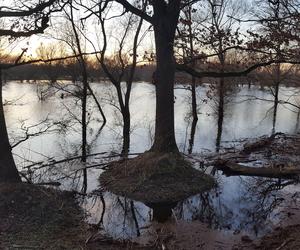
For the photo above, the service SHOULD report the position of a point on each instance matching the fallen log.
(234, 169)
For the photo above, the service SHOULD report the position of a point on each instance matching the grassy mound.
(155, 178)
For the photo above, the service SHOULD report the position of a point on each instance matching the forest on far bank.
(70, 71)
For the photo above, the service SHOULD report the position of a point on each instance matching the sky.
(114, 32)
(57, 27)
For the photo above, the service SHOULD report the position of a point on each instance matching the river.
(236, 205)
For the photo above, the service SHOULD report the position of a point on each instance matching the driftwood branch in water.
(233, 169)
(51, 183)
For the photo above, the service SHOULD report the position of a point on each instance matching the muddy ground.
(34, 217)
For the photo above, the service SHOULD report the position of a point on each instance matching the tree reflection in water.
(254, 208)
(238, 204)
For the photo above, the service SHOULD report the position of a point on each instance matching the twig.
(284, 243)
(61, 161)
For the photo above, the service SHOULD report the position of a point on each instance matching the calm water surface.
(238, 204)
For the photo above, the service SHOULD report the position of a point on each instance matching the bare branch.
(134, 10)
(195, 73)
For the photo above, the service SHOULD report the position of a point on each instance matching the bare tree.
(73, 36)
(186, 41)
(52, 68)
(275, 34)
(164, 18)
(37, 18)
(120, 67)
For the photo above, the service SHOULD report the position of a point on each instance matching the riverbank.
(34, 217)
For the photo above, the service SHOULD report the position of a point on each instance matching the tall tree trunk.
(221, 97)
(8, 170)
(81, 63)
(84, 128)
(191, 37)
(194, 96)
(220, 114)
(84, 74)
(276, 97)
(195, 116)
(164, 29)
(83, 119)
(194, 100)
(126, 131)
(192, 136)
(116, 81)
(276, 93)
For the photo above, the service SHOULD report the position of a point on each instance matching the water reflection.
(238, 204)
(243, 117)
(118, 216)
(162, 211)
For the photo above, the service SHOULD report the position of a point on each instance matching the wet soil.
(287, 238)
(34, 217)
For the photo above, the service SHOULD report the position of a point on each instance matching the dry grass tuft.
(155, 178)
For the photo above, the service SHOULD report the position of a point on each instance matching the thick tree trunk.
(8, 170)
(164, 30)
(165, 71)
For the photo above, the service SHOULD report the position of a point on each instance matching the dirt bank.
(34, 217)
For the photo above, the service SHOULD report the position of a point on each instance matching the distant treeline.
(54, 72)
(144, 72)
(264, 76)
